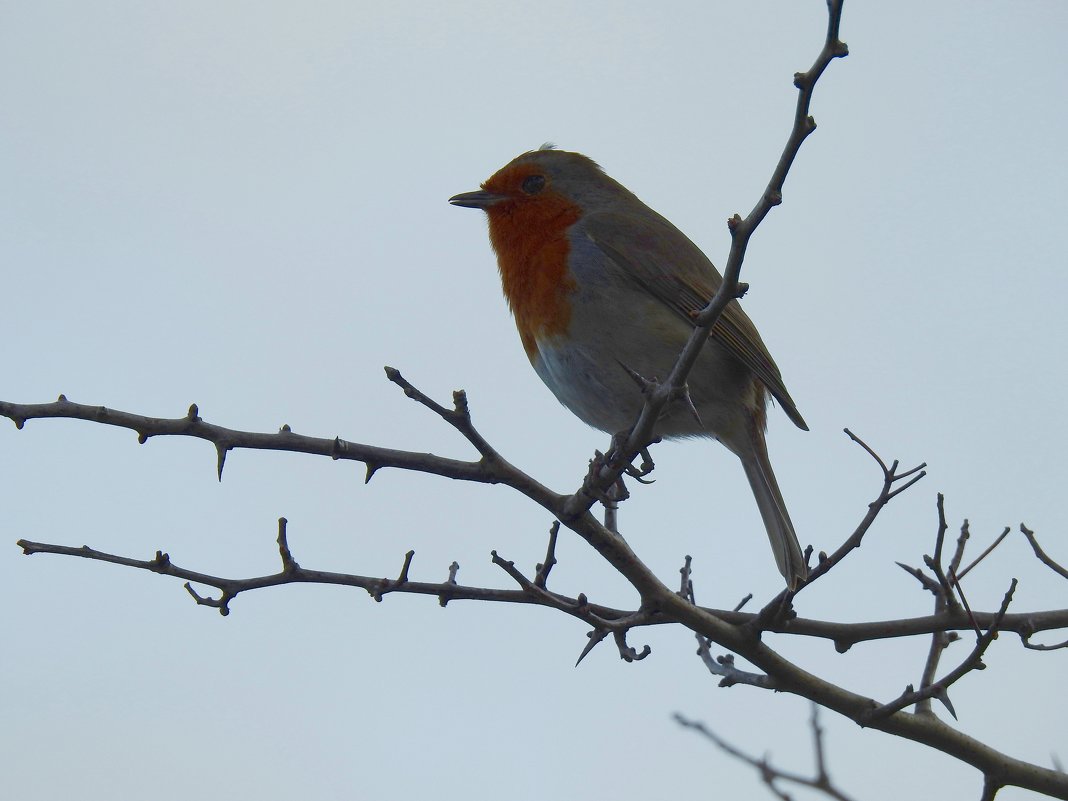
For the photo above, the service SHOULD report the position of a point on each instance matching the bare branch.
(226, 439)
(935, 562)
(775, 613)
(392, 586)
(940, 640)
(459, 417)
(844, 635)
(447, 592)
(990, 789)
(293, 573)
(1042, 556)
(686, 582)
(734, 632)
(1034, 646)
(542, 576)
(926, 581)
(626, 653)
(939, 689)
(770, 774)
(724, 666)
(890, 490)
(985, 554)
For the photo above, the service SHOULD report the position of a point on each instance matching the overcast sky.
(243, 204)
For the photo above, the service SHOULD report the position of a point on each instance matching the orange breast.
(529, 236)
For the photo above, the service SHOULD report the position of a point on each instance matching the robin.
(599, 285)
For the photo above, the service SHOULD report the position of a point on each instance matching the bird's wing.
(671, 268)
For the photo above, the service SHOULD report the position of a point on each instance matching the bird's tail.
(784, 544)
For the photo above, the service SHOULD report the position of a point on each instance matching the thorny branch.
(843, 635)
(225, 439)
(737, 633)
(940, 689)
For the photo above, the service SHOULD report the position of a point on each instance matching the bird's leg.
(644, 469)
(639, 473)
(616, 493)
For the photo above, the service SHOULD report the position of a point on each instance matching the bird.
(602, 287)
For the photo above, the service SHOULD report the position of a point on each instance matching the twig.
(962, 542)
(935, 562)
(1042, 556)
(844, 635)
(944, 601)
(459, 417)
(685, 582)
(581, 609)
(1035, 646)
(393, 586)
(889, 491)
(990, 789)
(769, 774)
(723, 666)
(542, 574)
(939, 689)
(293, 573)
(986, 553)
(771, 616)
(626, 653)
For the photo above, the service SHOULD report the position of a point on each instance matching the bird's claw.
(640, 472)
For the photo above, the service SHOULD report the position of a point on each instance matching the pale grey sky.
(244, 205)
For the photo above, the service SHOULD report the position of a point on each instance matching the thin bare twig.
(986, 553)
(891, 488)
(935, 562)
(685, 581)
(1043, 557)
(542, 574)
(1036, 646)
(777, 612)
(771, 775)
(940, 689)
(723, 666)
(581, 609)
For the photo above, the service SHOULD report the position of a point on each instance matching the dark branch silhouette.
(739, 634)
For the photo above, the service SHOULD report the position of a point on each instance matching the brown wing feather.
(685, 285)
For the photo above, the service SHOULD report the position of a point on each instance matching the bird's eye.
(533, 184)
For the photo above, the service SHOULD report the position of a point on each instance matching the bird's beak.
(476, 200)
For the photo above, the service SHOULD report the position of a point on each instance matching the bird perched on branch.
(600, 285)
